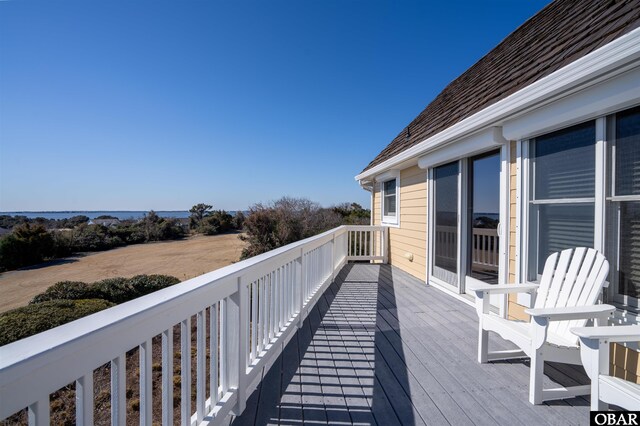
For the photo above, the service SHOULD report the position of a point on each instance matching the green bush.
(67, 290)
(26, 245)
(114, 290)
(32, 319)
(145, 284)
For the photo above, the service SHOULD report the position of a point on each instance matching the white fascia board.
(478, 142)
(609, 60)
(604, 98)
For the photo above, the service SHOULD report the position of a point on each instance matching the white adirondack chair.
(594, 350)
(566, 297)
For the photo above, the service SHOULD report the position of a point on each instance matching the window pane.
(564, 163)
(389, 203)
(628, 152)
(446, 221)
(629, 252)
(558, 227)
(390, 187)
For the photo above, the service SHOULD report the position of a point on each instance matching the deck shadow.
(339, 367)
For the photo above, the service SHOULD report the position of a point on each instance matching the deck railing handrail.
(250, 307)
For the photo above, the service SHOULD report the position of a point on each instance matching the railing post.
(385, 244)
(242, 297)
(333, 257)
(300, 285)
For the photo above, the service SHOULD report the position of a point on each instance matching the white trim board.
(608, 61)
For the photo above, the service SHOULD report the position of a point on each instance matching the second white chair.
(566, 297)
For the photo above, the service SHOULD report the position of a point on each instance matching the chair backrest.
(573, 277)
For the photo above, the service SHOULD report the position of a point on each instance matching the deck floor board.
(382, 348)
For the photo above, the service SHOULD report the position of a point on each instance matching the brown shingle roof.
(559, 34)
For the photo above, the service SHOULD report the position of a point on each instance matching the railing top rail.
(364, 227)
(37, 345)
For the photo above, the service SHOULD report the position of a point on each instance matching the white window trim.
(394, 175)
(627, 311)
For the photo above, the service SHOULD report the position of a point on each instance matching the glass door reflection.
(445, 259)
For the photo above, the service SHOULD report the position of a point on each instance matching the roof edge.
(608, 58)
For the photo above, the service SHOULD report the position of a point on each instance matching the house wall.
(515, 310)
(411, 237)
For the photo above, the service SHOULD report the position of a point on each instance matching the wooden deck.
(381, 347)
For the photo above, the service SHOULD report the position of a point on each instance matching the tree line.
(265, 227)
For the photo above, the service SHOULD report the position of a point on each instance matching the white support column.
(167, 376)
(118, 391)
(201, 362)
(185, 371)
(300, 283)
(38, 413)
(213, 354)
(84, 400)
(242, 299)
(600, 185)
(146, 385)
(231, 348)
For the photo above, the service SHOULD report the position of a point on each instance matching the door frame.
(462, 249)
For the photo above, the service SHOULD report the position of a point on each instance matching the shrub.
(283, 222)
(26, 245)
(68, 290)
(145, 284)
(32, 319)
(216, 222)
(114, 290)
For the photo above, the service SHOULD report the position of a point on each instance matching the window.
(562, 169)
(623, 205)
(582, 188)
(389, 201)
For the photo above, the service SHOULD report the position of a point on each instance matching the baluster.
(167, 377)
(281, 298)
(213, 354)
(84, 400)
(38, 413)
(254, 320)
(146, 385)
(232, 346)
(261, 313)
(201, 365)
(224, 339)
(118, 391)
(185, 371)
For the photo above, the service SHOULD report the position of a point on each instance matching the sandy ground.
(182, 259)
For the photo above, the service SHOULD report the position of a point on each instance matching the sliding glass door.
(446, 223)
(483, 258)
(468, 206)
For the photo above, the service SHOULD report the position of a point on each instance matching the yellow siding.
(411, 237)
(625, 363)
(515, 310)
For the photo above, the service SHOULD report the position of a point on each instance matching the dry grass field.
(183, 259)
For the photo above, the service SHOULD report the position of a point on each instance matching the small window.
(389, 201)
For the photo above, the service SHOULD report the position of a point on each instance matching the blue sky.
(142, 105)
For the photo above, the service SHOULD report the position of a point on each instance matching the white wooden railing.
(244, 314)
(485, 246)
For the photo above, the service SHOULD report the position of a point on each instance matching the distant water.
(93, 214)
(495, 216)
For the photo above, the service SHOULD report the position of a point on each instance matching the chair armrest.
(572, 312)
(619, 333)
(502, 288)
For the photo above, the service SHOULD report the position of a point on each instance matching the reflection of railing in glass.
(485, 248)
